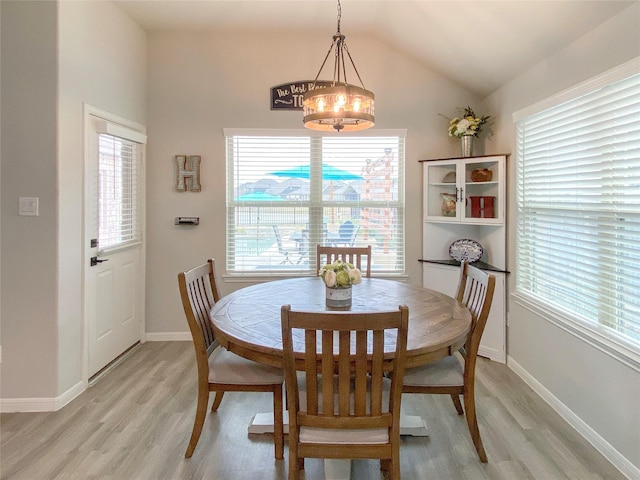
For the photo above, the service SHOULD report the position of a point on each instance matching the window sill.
(120, 247)
(623, 351)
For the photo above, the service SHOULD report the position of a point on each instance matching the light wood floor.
(135, 424)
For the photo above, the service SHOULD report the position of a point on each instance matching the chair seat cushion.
(447, 372)
(325, 435)
(227, 367)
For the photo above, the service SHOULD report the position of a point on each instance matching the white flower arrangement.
(340, 274)
(468, 124)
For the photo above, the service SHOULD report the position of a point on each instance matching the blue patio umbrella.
(267, 198)
(258, 197)
(328, 173)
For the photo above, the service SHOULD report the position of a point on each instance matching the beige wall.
(600, 391)
(29, 283)
(202, 82)
(55, 56)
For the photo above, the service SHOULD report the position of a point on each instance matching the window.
(118, 184)
(290, 190)
(578, 194)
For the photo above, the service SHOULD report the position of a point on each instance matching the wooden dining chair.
(455, 375)
(359, 256)
(218, 369)
(343, 406)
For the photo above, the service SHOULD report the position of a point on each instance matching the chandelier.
(341, 106)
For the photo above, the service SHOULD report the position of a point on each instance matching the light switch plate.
(28, 206)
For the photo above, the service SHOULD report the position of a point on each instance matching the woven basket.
(481, 175)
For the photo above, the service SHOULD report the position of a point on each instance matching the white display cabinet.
(462, 202)
(468, 190)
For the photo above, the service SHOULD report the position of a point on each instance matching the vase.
(467, 145)
(448, 207)
(338, 296)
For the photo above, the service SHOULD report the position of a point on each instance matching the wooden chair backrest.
(199, 292)
(352, 355)
(475, 290)
(359, 256)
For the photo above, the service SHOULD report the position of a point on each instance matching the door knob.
(95, 261)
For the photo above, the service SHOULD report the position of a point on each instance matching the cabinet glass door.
(441, 195)
(482, 191)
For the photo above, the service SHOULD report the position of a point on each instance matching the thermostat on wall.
(187, 221)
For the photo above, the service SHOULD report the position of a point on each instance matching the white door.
(114, 270)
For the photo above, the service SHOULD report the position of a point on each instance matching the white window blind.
(578, 194)
(288, 191)
(118, 191)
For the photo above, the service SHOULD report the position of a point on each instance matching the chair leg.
(217, 400)
(395, 463)
(472, 422)
(201, 413)
(294, 463)
(456, 403)
(286, 259)
(278, 433)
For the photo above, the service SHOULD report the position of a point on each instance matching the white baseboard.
(492, 354)
(168, 336)
(605, 448)
(53, 404)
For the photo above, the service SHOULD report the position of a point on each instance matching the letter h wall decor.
(188, 173)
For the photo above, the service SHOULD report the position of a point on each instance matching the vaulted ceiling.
(480, 44)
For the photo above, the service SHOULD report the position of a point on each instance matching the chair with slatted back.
(359, 256)
(343, 406)
(347, 234)
(455, 375)
(218, 369)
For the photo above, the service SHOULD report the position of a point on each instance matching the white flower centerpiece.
(466, 127)
(338, 277)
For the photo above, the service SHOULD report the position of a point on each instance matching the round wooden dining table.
(247, 321)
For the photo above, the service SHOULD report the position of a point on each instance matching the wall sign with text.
(288, 96)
